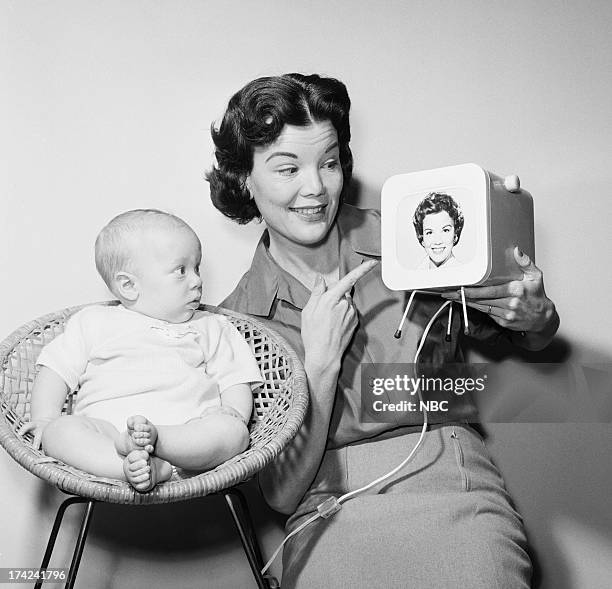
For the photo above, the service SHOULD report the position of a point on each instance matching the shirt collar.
(267, 281)
(360, 230)
(262, 283)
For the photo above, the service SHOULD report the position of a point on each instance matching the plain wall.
(106, 106)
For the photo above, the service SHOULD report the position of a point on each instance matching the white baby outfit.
(125, 363)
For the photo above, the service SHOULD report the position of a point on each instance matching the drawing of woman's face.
(439, 236)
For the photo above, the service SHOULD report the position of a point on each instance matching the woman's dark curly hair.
(436, 202)
(256, 116)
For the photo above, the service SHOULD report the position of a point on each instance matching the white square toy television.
(453, 226)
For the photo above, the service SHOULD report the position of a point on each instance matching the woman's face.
(438, 236)
(296, 183)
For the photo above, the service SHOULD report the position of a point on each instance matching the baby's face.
(438, 236)
(167, 270)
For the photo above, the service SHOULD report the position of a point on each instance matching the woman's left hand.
(519, 305)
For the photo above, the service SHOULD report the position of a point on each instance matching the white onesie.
(125, 363)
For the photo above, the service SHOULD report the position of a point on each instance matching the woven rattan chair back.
(279, 408)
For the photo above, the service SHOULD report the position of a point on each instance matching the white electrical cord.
(398, 332)
(333, 504)
(449, 323)
(466, 328)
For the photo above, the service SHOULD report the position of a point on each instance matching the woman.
(445, 520)
(438, 222)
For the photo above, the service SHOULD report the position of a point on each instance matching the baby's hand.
(37, 426)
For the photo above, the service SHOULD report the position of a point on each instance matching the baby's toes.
(143, 440)
(142, 483)
(143, 436)
(137, 460)
(144, 477)
(134, 421)
(137, 469)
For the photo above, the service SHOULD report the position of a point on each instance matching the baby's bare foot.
(144, 471)
(142, 432)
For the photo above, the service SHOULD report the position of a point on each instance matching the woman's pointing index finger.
(347, 282)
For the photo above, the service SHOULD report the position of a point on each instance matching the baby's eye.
(197, 269)
(180, 270)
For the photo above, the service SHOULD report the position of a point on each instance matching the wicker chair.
(279, 408)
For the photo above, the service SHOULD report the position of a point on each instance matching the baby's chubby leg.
(205, 442)
(93, 445)
(85, 443)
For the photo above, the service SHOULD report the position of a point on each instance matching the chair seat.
(279, 409)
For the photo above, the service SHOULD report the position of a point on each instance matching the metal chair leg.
(240, 512)
(80, 544)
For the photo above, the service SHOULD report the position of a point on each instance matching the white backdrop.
(106, 106)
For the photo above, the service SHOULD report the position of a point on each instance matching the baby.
(156, 355)
(438, 222)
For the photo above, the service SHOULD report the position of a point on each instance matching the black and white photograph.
(305, 294)
(438, 223)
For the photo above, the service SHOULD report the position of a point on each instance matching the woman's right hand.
(329, 319)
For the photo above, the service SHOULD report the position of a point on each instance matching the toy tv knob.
(512, 183)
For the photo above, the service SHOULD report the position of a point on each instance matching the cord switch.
(329, 507)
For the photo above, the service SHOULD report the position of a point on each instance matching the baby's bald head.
(118, 242)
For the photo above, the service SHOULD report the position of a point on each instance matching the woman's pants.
(444, 521)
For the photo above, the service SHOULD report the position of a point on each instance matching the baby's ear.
(125, 284)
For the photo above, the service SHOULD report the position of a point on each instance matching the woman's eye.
(331, 164)
(287, 171)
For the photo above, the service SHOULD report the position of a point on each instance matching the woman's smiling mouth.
(316, 213)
